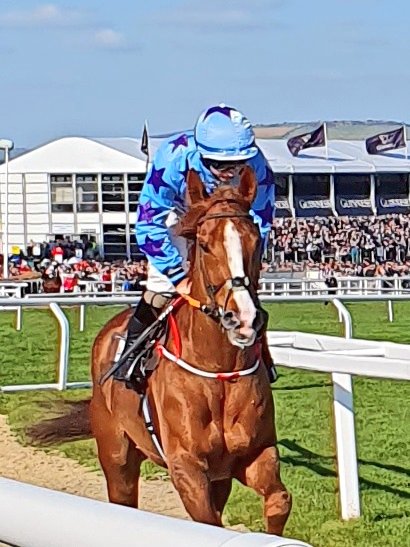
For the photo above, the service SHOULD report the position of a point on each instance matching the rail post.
(64, 345)
(343, 408)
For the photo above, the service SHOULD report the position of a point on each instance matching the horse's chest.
(236, 428)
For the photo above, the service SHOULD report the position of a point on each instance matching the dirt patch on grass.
(53, 471)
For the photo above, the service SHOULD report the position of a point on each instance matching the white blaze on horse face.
(246, 307)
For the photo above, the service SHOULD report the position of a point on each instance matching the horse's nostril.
(230, 321)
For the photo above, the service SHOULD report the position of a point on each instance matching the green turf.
(304, 422)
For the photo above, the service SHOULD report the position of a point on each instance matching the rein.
(163, 352)
(233, 284)
(215, 312)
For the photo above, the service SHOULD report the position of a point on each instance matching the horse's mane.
(228, 196)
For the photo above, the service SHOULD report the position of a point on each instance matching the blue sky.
(93, 68)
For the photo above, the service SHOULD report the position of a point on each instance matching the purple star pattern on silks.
(182, 140)
(156, 179)
(222, 109)
(146, 212)
(266, 213)
(153, 248)
(269, 178)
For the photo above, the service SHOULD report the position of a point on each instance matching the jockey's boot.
(267, 359)
(143, 317)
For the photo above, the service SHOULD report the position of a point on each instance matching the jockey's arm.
(263, 207)
(159, 197)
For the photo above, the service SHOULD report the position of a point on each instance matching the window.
(62, 196)
(87, 193)
(112, 193)
(135, 183)
(115, 241)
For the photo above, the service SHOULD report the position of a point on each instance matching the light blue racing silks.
(164, 191)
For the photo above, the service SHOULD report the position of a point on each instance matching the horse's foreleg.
(121, 464)
(119, 459)
(220, 494)
(263, 475)
(195, 490)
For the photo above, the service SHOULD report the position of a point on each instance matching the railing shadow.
(317, 463)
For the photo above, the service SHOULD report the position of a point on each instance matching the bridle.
(233, 284)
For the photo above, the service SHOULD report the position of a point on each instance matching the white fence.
(37, 517)
(352, 285)
(346, 285)
(342, 357)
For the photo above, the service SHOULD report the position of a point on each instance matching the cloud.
(89, 33)
(107, 38)
(45, 15)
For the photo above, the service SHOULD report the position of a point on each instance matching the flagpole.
(148, 154)
(405, 141)
(326, 148)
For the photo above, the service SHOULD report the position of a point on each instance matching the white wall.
(30, 216)
(75, 155)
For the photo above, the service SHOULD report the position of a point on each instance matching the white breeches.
(156, 281)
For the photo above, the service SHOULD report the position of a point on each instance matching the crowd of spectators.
(363, 246)
(77, 264)
(328, 246)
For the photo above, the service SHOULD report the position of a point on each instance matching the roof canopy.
(341, 156)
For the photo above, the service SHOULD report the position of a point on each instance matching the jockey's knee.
(156, 300)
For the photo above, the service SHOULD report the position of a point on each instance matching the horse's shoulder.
(118, 323)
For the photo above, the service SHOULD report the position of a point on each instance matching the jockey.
(221, 143)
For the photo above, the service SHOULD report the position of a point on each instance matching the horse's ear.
(195, 189)
(248, 184)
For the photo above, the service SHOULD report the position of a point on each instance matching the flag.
(386, 141)
(144, 140)
(307, 140)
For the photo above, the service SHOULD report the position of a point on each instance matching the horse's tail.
(73, 425)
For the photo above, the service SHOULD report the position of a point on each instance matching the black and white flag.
(386, 141)
(307, 140)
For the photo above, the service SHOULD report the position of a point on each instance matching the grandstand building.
(88, 187)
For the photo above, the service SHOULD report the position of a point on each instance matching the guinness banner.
(312, 195)
(392, 204)
(352, 195)
(282, 207)
(353, 205)
(392, 193)
(313, 206)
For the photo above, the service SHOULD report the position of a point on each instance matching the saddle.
(146, 358)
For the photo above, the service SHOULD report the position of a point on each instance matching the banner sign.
(282, 207)
(313, 206)
(353, 205)
(388, 204)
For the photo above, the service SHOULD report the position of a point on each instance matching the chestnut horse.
(51, 284)
(215, 421)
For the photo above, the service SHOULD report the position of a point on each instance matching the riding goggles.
(222, 166)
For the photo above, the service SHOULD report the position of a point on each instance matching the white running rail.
(37, 517)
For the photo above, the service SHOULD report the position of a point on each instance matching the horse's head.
(225, 257)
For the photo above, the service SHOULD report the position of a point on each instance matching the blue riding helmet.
(222, 133)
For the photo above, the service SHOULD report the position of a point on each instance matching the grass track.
(304, 421)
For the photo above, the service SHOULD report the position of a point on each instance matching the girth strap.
(150, 426)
